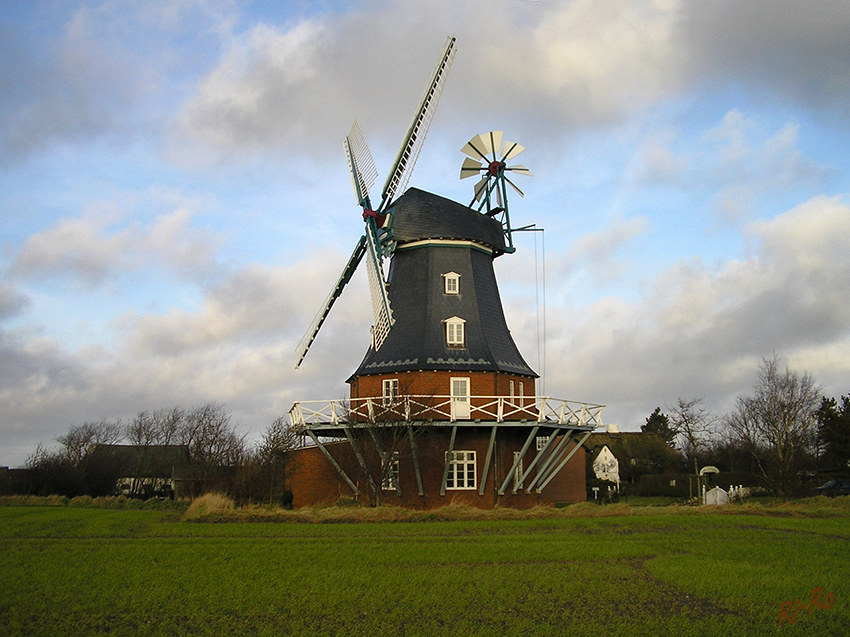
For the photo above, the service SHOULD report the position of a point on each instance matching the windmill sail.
(345, 277)
(377, 243)
(360, 163)
(412, 144)
(381, 311)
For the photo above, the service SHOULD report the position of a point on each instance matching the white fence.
(540, 409)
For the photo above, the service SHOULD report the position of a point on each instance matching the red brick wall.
(438, 383)
(315, 480)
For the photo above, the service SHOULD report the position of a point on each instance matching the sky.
(175, 203)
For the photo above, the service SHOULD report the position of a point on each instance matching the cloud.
(271, 88)
(294, 87)
(595, 253)
(784, 47)
(255, 302)
(99, 244)
(237, 348)
(12, 302)
(79, 72)
(57, 92)
(738, 164)
(702, 330)
(291, 86)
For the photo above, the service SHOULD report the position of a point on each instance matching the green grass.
(90, 571)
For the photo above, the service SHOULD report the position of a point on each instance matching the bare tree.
(167, 424)
(694, 427)
(212, 439)
(81, 439)
(777, 425)
(277, 440)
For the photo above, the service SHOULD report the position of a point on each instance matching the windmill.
(377, 241)
(442, 367)
(488, 156)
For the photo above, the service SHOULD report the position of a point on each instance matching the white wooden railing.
(358, 411)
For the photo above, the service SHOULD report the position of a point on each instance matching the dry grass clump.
(215, 507)
(210, 505)
(33, 500)
(209, 510)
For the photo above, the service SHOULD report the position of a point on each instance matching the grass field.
(642, 571)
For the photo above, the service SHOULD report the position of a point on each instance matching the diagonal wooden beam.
(415, 460)
(563, 462)
(334, 463)
(518, 459)
(448, 460)
(487, 461)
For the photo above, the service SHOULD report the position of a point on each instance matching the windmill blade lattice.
(360, 163)
(412, 144)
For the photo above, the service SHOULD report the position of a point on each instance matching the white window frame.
(390, 481)
(455, 332)
(463, 471)
(390, 391)
(461, 404)
(542, 441)
(451, 283)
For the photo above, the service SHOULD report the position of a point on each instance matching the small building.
(644, 462)
(145, 471)
(606, 466)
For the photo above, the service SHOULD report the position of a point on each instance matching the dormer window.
(454, 330)
(451, 283)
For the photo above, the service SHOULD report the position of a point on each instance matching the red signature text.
(788, 609)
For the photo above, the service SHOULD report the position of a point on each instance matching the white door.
(460, 398)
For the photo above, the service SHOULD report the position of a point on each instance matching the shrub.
(209, 505)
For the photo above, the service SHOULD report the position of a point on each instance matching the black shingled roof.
(417, 341)
(420, 215)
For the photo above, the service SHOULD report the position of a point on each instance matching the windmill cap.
(421, 215)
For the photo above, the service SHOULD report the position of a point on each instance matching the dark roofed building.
(144, 470)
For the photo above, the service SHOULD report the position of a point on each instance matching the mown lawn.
(88, 571)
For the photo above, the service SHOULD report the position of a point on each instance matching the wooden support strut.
(533, 464)
(359, 457)
(490, 448)
(334, 463)
(448, 460)
(563, 462)
(415, 461)
(518, 460)
(553, 451)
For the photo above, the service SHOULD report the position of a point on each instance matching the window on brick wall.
(390, 391)
(462, 473)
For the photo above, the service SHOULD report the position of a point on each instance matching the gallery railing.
(359, 411)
